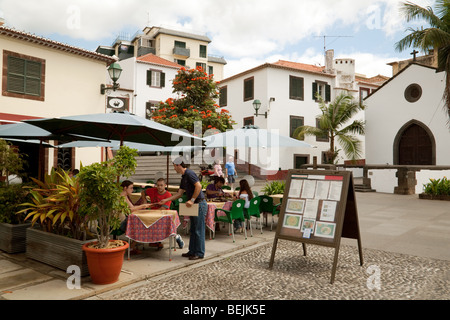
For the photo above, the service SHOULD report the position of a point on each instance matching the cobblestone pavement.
(384, 276)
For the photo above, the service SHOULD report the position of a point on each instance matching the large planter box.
(57, 251)
(431, 197)
(13, 237)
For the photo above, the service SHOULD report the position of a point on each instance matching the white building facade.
(43, 78)
(408, 124)
(287, 93)
(150, 79)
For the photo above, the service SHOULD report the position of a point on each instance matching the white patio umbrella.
(141, 147)
(252, 138)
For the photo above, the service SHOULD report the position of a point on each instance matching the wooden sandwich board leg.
(274, 248)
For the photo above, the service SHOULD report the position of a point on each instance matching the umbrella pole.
(41, 165)
(167, 182)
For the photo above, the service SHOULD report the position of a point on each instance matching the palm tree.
(436, 36)
(333, 124)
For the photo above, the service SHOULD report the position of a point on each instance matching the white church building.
(408, 124)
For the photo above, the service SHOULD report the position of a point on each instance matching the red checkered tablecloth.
(209, 219)
(210, 214)
(165, 226)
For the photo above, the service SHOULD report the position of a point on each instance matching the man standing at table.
(190, 184)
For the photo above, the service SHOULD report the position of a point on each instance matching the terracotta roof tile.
(300, 66)
(151, 58)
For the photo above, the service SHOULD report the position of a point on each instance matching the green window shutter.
(295, 88)
(24, 76)
(149, 77)
(327, 93)
(295, 122)
(163, 80)
(223, 96)
(202, 51)
(314, 90)
(248, 89)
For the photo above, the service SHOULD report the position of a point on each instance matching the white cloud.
(246, 32)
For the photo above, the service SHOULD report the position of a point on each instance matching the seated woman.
(214, 190)
(127, 190)
(245, 193)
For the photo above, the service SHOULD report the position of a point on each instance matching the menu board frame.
(318, 207)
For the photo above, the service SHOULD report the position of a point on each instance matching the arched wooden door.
(415, 146)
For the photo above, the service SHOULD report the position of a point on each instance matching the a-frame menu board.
(319, 207)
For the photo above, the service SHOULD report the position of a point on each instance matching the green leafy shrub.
(10, 199)
(274, 187)
(437, 187)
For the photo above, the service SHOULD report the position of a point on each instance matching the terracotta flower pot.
(105, 264)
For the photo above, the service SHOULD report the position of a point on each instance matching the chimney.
(329, 57)
(2, 21)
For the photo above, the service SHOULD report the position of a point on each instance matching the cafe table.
(210, 214)
(276, 198)
(150, 226)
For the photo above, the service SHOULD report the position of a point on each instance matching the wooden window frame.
(6, 93)
(205, 54)
(291, 95)
(247, 80)
(291, 132)
(326, 87)
(223, 100)
(162, 78)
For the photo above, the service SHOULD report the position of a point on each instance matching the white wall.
(72, 87)
(387, 111)
(274, 83)
(72, 83)
(134, 76)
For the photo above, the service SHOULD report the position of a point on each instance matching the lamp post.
(114, 72)
(257, 106)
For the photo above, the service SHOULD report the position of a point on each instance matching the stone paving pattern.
(296, 277)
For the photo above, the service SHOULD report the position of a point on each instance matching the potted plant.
(274, 187)
(12, 226)
(436, 189)
(102, 203)
(58, 230)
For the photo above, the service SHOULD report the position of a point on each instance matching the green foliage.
(274, 187)
(54, 204)
(434, 34)
(10, 199)
(437, 187)
(334, 123)
(197, 104)
(11, 161)
(101, 201)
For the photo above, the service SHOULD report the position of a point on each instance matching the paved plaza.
(405, 242)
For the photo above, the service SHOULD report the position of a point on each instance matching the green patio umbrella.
(24, 132)
(121, 126)
(114, 144)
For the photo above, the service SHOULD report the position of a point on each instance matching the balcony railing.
(185, 52)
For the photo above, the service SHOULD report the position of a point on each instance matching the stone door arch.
(414, 145)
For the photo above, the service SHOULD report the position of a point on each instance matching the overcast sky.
(246, 33)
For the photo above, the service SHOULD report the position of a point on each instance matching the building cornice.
(31, 38)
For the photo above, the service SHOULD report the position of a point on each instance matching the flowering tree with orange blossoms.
(198, 92)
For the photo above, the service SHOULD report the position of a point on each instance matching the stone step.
(363, 188)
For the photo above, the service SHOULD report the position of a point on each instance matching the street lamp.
(256, 106)
(114, 72)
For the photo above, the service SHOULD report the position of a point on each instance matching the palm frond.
(350, 145)
(413, 11)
